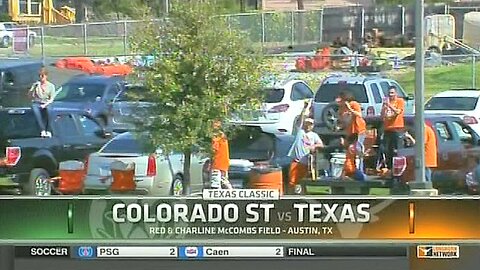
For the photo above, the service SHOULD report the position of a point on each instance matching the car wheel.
(330, 116)
(179, 188)
(39, 183)
(5, 42)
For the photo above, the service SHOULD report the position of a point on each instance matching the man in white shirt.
(306, 142)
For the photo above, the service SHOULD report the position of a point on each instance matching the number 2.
(278, 252)
(172, 251)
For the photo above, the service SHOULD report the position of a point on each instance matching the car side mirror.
(410, 97)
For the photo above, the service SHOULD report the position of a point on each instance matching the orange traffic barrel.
(123, 175)
(266, 177)
(71, 177)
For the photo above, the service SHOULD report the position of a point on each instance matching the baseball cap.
(309, 120)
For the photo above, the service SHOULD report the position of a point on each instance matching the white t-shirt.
(302, 144)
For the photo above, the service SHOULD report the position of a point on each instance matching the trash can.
(123, 177)
(336, 164)
(266, 177)
(71, 177)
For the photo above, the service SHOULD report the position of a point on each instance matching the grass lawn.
(439, 79)
(326, 191)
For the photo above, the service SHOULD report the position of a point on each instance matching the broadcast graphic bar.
(136, 252)
(243, 252)
(176, 222)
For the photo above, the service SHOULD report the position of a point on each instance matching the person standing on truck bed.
(42, 93)
(393, 110)
(306, 142)
(350, 112)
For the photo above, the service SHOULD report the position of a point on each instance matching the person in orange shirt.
(430, 151)
(351, 114)
(350, 167)
(393, 110)
(220, 158)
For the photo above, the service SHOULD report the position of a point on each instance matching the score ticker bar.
(204, 252)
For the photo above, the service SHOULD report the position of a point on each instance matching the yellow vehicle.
(439, 32)
(39, 11)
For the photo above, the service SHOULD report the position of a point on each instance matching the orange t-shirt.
(430, 148)
(394, 121)
(350, 166)
(357, 124)
(221, 155)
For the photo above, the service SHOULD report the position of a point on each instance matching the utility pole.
(420, 186)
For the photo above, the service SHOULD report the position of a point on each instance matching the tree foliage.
(409, 2)
(202, 71)
(121, 8)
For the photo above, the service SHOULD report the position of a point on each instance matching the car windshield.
(274, 95)
(129, 144)
(328, 92)
(73, 92)
(452, 103)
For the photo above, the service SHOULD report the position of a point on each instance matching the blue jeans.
(41, 114)
(428, 174)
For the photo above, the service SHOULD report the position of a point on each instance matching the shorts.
(219, 179)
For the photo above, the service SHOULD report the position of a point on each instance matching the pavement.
(59, 76)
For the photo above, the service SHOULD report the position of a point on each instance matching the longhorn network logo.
(438, 252)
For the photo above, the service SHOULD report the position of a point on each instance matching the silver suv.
(369, 91)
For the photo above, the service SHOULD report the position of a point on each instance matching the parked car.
(462, 103)
(284, 101)
(16, 78)
(29, 160)
(156, 173)
(93, 94)
(458, 148)
(250, 146)
(369, 91)
(129, 109)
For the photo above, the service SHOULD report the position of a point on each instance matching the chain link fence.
(268, 29)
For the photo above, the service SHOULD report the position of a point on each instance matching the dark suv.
(16, 78)
(93, 94)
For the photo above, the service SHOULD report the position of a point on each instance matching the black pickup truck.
(28, 160)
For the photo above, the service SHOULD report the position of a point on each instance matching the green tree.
(120, 8)
(202, 71)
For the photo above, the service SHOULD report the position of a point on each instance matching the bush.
(4, 17)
